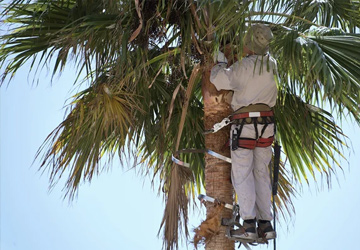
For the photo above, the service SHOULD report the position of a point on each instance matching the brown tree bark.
(217, 172)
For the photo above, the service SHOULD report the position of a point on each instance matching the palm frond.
(342, 14)
(323, 64)
(98, 122)
(310, 138)
(63, 28)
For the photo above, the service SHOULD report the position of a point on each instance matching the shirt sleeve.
(221, 76)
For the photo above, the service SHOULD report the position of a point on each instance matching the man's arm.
(225, 71)
(221, 76)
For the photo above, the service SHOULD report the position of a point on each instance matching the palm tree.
(147, 92)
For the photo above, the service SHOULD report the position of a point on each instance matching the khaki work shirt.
(252, 79)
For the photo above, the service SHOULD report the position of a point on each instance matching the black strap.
(255, 126)
(241, 126)
(236, 135)
(277, 151)
(263, 129)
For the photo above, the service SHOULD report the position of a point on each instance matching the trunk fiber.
(217, 172)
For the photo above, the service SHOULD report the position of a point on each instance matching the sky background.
(119, 210)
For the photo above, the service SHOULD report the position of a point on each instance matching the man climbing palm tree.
(252, 133)
(144, 61)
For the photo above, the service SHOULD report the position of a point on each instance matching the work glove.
(219, 57)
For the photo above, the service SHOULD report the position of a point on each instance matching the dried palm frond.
(176, 209)
(177, 203)
(210, 226)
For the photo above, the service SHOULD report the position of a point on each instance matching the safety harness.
(252, 114)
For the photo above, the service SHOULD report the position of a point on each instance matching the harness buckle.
(217, 126)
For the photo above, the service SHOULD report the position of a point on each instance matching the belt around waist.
(253, 108)
(252, 114)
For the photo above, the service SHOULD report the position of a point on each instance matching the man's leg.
(242, 176)
(263, 187)
(262, 158)
(243, 181)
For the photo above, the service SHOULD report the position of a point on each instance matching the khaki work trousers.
(250, 175)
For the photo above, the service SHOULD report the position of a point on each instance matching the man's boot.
(265, 230)
(247, 232)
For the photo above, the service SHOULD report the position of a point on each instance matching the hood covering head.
(257, 38)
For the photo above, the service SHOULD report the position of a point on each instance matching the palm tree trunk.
(217, 172)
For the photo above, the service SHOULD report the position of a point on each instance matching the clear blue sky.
(118, 210)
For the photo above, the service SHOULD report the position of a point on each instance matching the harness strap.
(252, 143)
(256, 128)
(263, 129)
(236, 135)
(247, 143)
(265, 142)
(251, 114)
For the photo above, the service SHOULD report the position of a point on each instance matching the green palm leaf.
(310, 138)
(98, 122)
(321, 67)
